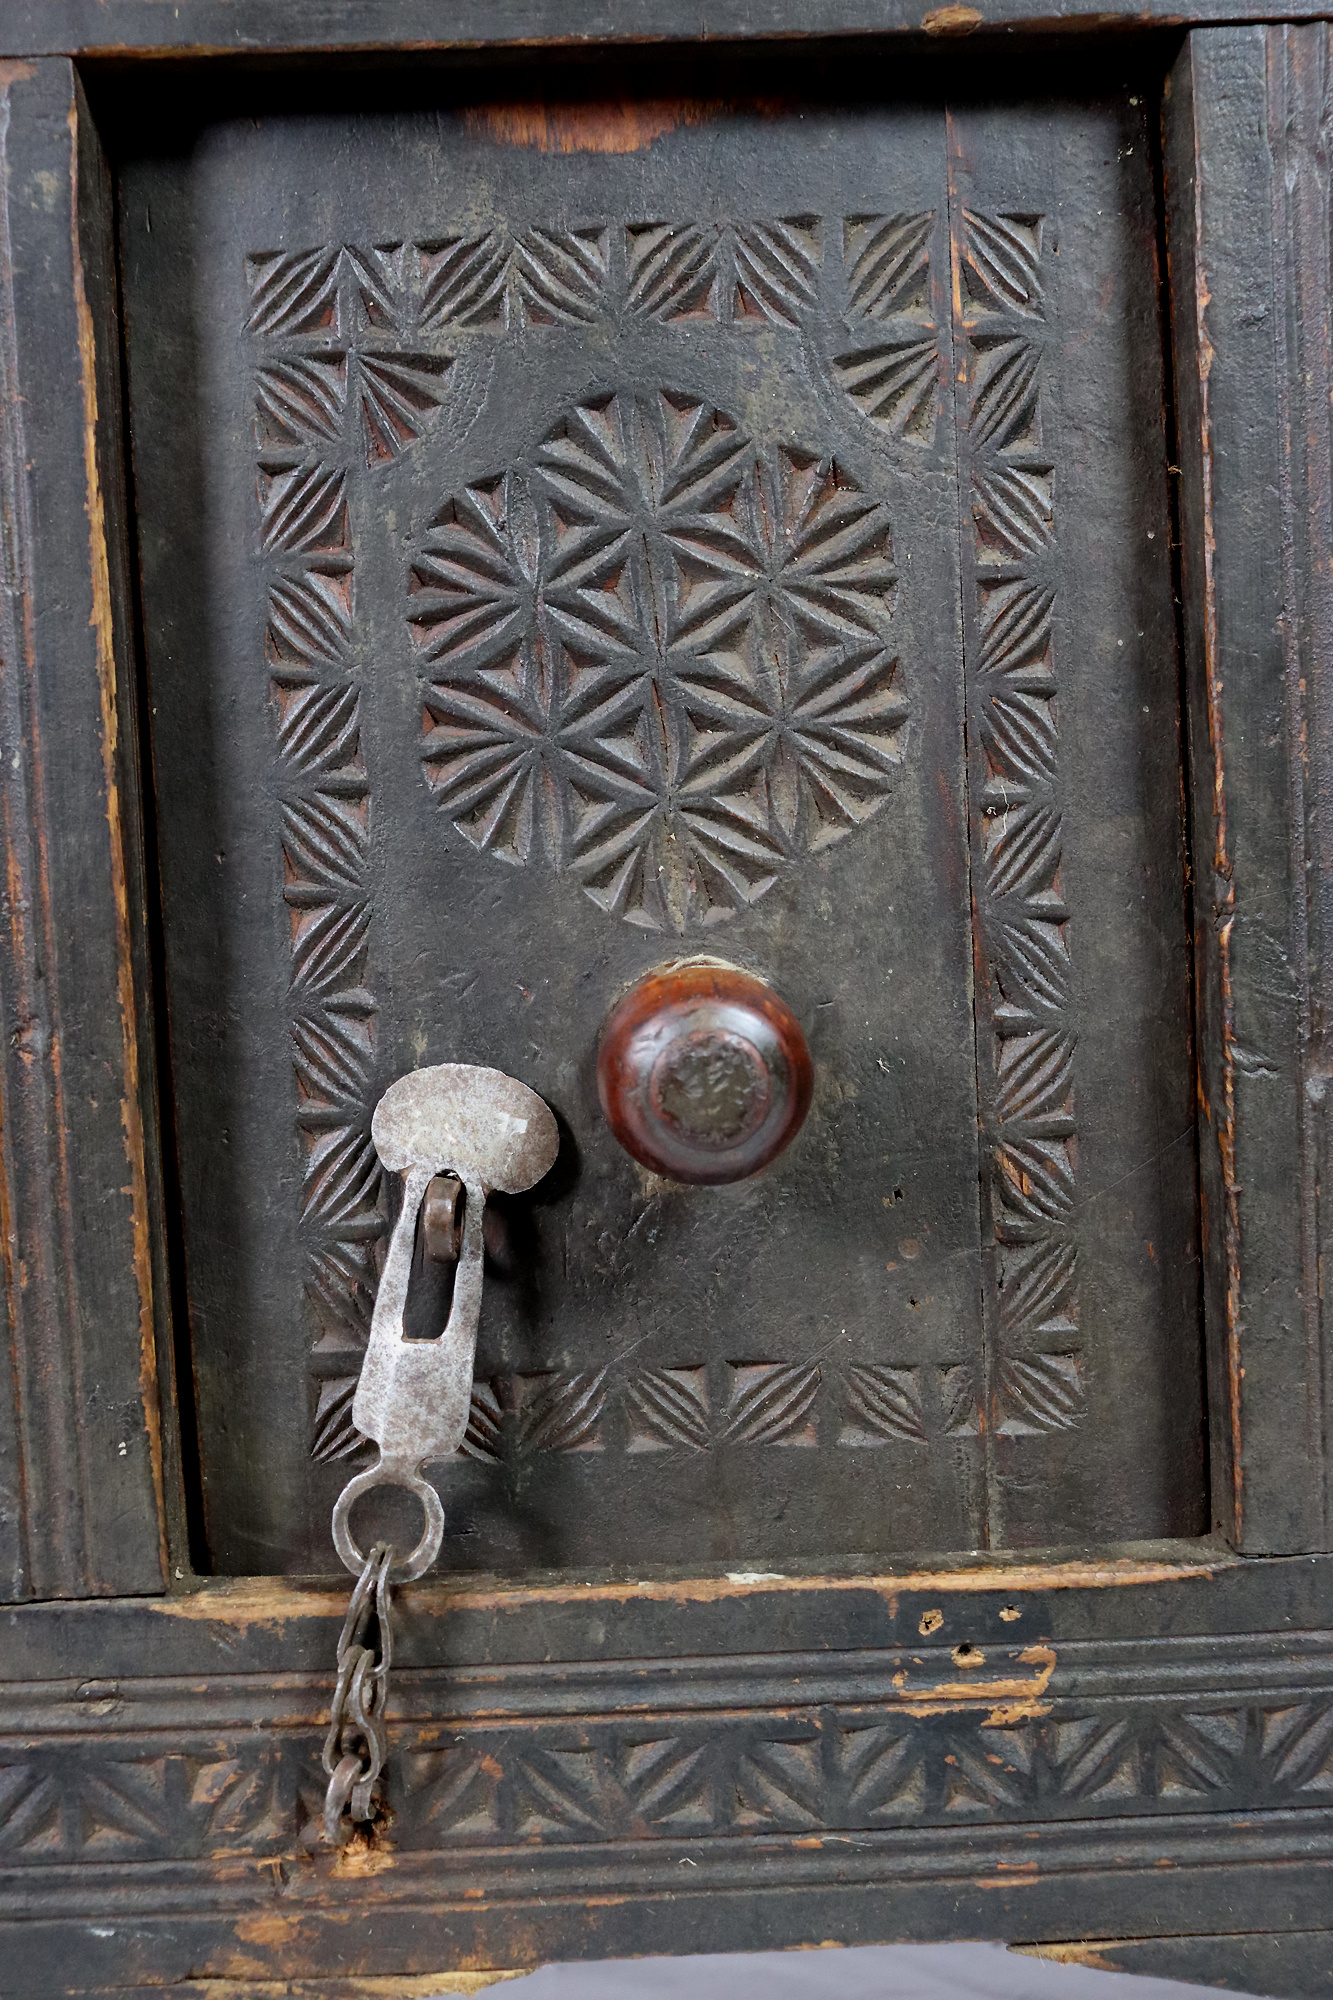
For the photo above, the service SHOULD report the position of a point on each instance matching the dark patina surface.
(735, 1703)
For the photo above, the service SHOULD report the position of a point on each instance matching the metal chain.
(355, 1747)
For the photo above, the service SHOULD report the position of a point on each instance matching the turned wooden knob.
(703, 1073)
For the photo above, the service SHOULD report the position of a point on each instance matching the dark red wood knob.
(703, 1073)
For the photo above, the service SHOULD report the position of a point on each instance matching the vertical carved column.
(1025, 1043)
(338, 392)
(299, 307)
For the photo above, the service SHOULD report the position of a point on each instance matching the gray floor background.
(869, 1972)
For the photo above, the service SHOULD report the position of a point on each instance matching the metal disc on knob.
(703, 1073)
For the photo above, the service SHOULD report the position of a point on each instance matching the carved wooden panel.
(612, 570)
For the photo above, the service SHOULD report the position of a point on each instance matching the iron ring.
(390, 1473)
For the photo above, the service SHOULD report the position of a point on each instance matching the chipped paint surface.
(622, 125)
(1010, 1698)
(273, 1600)
(952, 20)
(1091, 1954)
(416, 1986)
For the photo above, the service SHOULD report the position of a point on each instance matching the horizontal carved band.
(492, 280)
(860, 1743)
(695, 1407)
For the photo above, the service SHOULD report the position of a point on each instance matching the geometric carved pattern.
(341, 375)
(545, 277)
(332, 305)
(659, 658)
(252, 1798)
(721, 1406)
(737, 274)
(745, 274)
(752, 274)
(892, 374)
(494, 281)
(340, 362)
(656, 656)
(682, 1750)
(1027, 1088)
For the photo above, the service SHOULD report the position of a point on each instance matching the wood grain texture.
(1248, 208)
(1089, 1218)
(83, 1464)
(997, 1750)
(195, 28)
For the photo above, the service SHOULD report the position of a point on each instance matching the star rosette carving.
(659, 658)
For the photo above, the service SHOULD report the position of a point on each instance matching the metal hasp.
(412, 1399)
(703, 1073)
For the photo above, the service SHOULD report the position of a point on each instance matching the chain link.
(355, 1747)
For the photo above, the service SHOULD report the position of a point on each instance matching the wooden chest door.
(586, 540)
(580, 537)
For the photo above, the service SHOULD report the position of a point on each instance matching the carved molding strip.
(1027, 1043)
(701, 1750)
(476, 1889)
(698, 1407)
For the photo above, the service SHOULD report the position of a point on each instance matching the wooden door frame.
(1130, 1744)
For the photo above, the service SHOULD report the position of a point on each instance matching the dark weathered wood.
(1298, 67)
(1133, 1745)
(97, 243)
(110, 29)
(1249, 272)
(83, 1467)
(655, 1360)
(455, 815)
(616, 1768)
(1089, 1205)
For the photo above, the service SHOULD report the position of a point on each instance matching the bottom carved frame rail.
(840, 1747)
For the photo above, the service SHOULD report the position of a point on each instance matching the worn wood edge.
(998, 1880)
(99, 311)
(1237, 137)
(410, 1986)
(74, 1209)
(49, 1469)
(207, 30)
(1298, 59)
(1191, 356)
(1091, 1953)
(416, 1986)
(92, 338)
(257, 1600)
